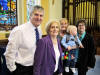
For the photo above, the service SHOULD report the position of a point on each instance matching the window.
(8, 14)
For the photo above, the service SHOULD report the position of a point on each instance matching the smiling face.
(37, 17)
(81, 28)
(73, 31)
(64, 24)
(54, 29)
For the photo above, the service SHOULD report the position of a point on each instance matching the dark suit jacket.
(44, 59)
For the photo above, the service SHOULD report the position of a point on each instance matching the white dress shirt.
(21, 46)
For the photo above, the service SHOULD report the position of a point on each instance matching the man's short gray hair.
(70, 28)
(36, 7)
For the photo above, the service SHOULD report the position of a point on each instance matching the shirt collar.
(82, 36)
(32, 26)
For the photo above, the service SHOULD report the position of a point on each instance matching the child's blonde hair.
(70, 28)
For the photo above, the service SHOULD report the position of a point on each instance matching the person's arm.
(74, 47)
(79, 42)
(38, 57)
(11, 49)
(66, 43)
(63, 41)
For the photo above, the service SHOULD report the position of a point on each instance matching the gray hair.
(35, 8)
(48, 25)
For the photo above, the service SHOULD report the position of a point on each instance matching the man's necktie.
(37, 34)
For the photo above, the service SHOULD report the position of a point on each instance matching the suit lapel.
(59, 47)
(51, 47)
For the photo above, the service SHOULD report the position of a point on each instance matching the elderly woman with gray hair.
(47, 59)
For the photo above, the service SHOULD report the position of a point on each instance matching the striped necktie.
(37, 34)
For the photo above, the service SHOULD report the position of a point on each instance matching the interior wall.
(45, 4)
(20, 11)
(25, 11)
(55, 8)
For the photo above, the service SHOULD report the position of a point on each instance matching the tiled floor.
(96, 70)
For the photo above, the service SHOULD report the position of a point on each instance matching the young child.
(71, 42)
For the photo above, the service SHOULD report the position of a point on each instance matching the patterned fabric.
(65, 55)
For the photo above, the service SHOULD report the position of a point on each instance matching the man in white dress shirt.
(22, 44)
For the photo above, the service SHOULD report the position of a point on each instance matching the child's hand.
(74, 47)
(69, 48)
(72, 56)
(81, 46)
(89, 68)
(60, 74)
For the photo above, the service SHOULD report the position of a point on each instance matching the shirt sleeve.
(63, 41)
(12, 48)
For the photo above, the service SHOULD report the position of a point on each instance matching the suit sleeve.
(60, 66)
(91, 54)
(38, 58)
